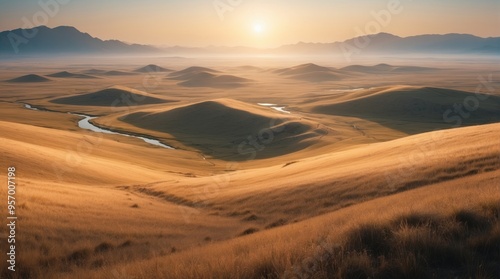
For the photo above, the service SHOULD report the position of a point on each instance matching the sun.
(258, 27)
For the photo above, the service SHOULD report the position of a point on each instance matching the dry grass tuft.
(249, 231)
(421, 246)
(79, 257)
(103, 247)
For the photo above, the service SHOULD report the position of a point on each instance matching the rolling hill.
(152, 68)
(190, 72)
(31, 78)
(311, 73)
(302, 69)
(117, 96)
(66, 74)
(204, 79)
(221, 128)
(386, 68)
(424, 105)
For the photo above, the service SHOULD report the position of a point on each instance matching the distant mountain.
(391, 44)
(62, 40)
(448, 43)
(370, 44)
(43, 40)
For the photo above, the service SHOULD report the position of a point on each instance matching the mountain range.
(62, 40)
(43, 40)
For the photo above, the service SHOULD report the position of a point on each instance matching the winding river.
(28, 106)
(85, 124)
(275, 107)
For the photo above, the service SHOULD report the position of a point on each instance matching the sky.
(253, 23)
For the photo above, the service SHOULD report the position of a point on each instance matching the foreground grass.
(446, 230)
(438, 236)
(404, 234)
(465, 244)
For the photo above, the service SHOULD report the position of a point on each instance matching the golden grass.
(289, 192)
(401, 235)
(146, 225)
(363, 201)
(64, 227)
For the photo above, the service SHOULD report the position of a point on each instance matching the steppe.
(278, 168)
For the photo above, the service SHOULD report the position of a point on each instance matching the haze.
(256, 23)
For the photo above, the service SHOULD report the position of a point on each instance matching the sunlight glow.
(258, 28)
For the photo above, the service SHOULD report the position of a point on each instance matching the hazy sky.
(260, 23)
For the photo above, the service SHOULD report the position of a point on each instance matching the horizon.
(241, 46)
(255, 24)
